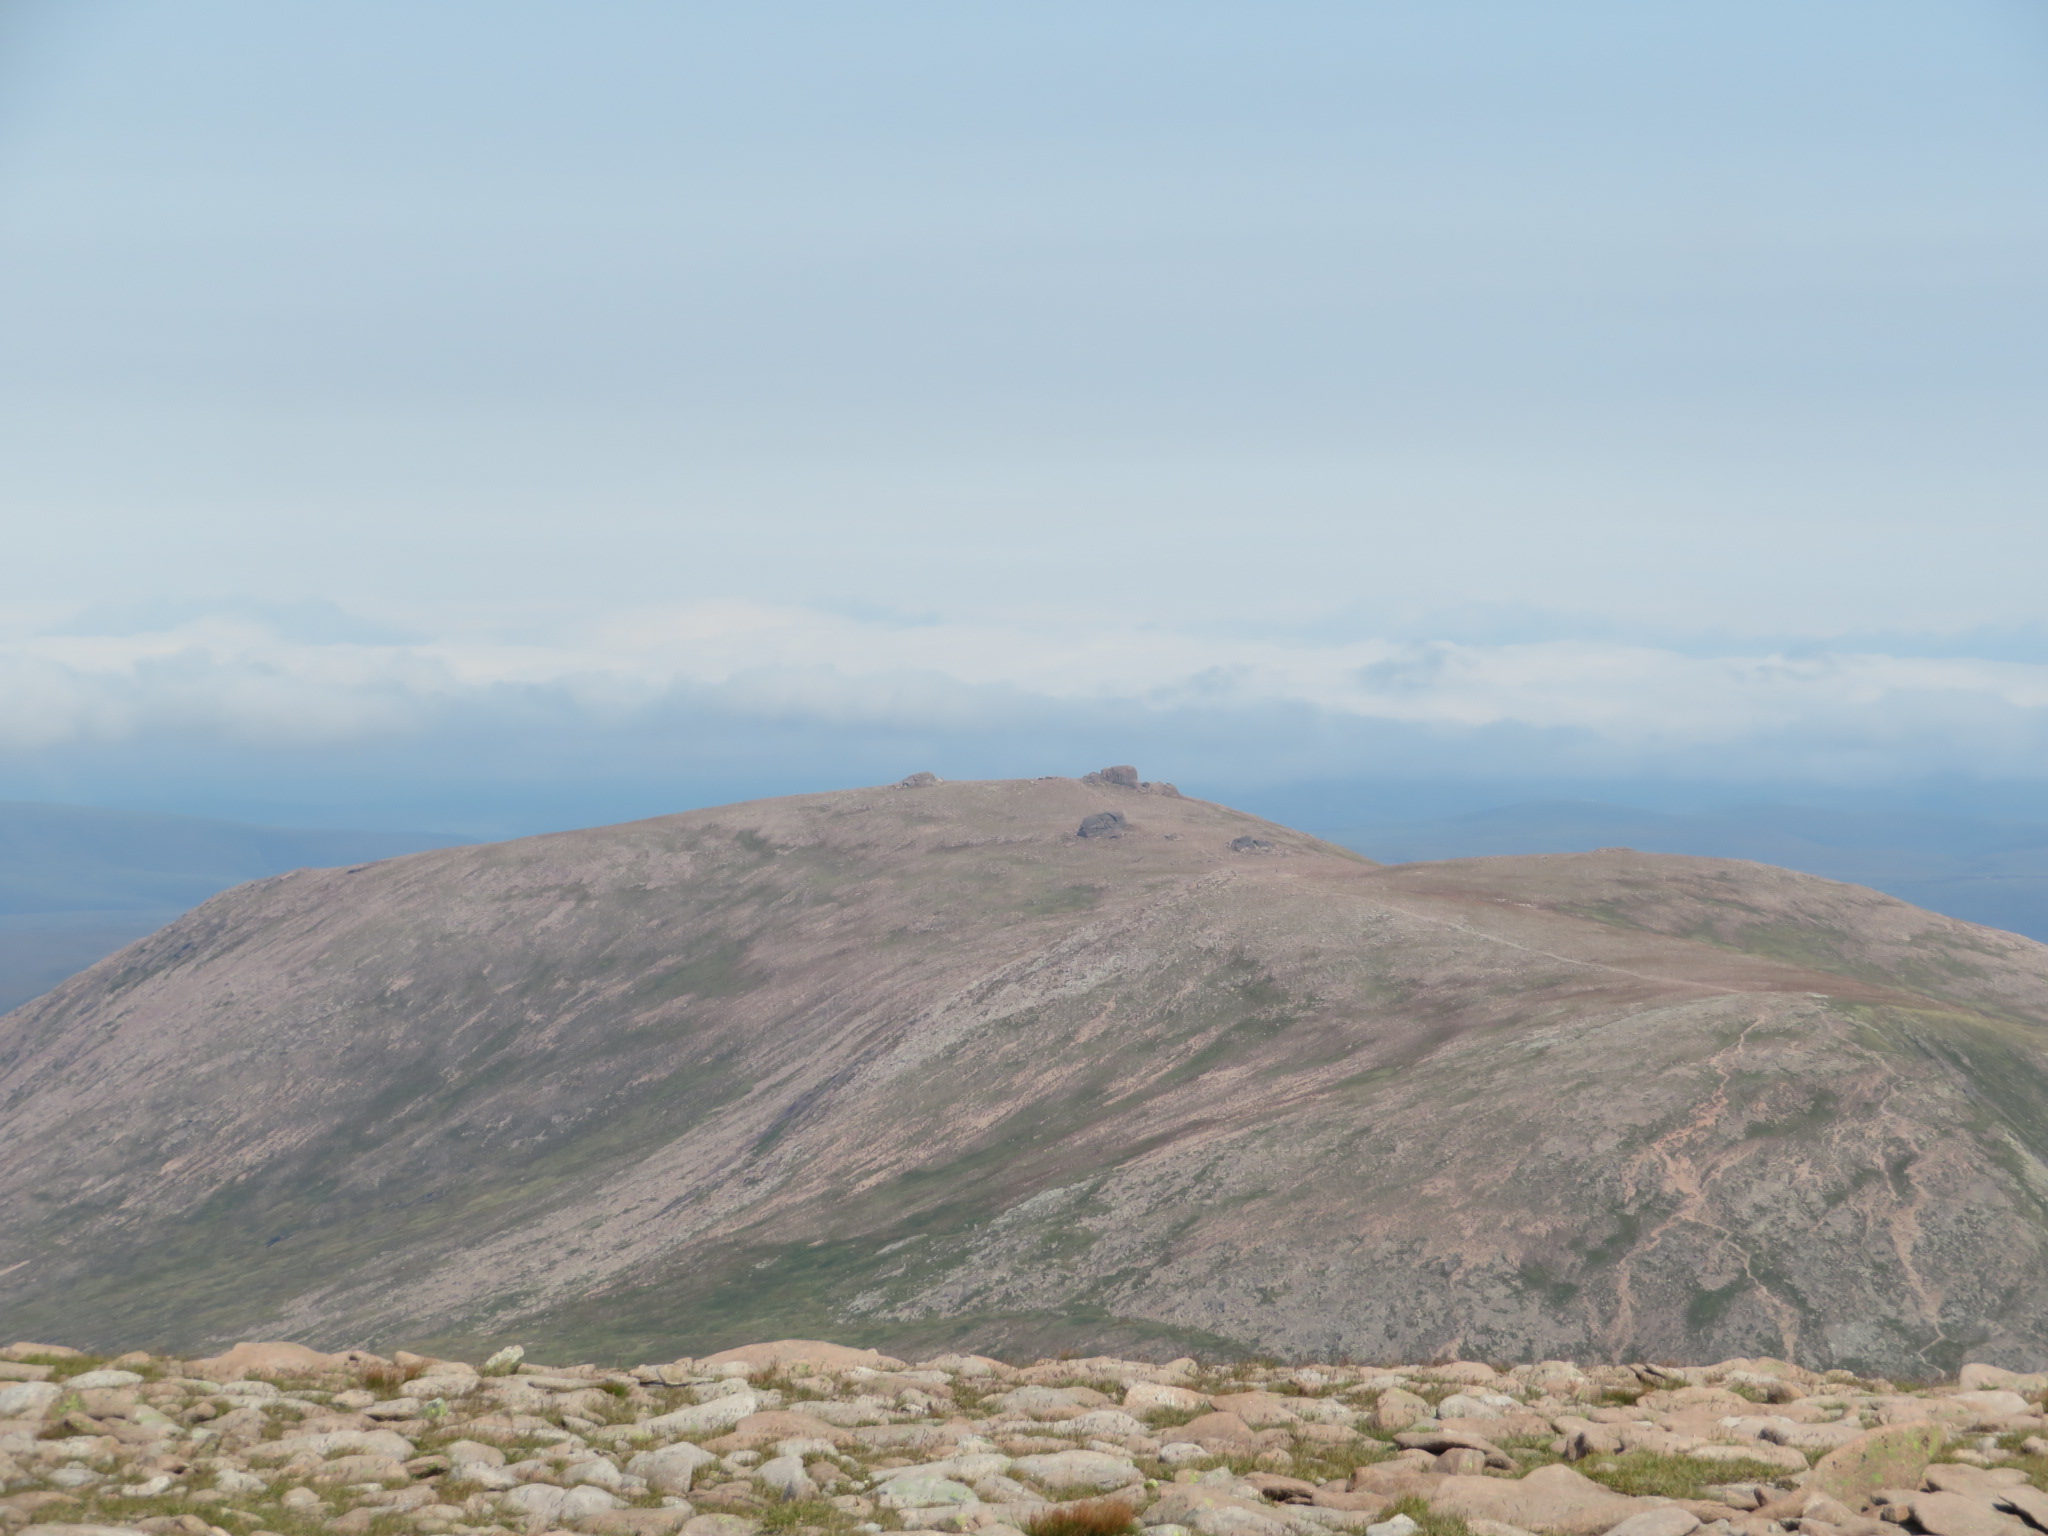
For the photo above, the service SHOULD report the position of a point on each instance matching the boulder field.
(820, 1439)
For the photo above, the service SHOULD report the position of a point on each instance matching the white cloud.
(240, 680)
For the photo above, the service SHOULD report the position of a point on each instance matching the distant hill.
(1989, 872)
(1039, 1064)
(78, 882)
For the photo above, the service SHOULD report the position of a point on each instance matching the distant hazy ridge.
(78, 882)
(1990, 872)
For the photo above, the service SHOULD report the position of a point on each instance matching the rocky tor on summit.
(924, 1067)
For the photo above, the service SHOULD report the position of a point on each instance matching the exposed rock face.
(931, 1068)
(958, 1444)
(1124, 776)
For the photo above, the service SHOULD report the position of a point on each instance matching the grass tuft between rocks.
(792, 1514)
(1091, 1517)
(1432, 1522)
(1673, 1477)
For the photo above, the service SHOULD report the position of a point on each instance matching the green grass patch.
(1091, 1517)
(791, 1514)
(1320, 1461)
(1644, 1473)
(63, 1367)
(2036, 1467)
(1432, 1523)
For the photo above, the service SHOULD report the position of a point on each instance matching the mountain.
(922, 1066)
(78, 882)
(1990, 872)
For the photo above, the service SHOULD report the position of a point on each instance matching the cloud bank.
(792, 696)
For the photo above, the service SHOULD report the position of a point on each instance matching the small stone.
(1079, 1469)
(785, 1477)
(637, 1522)
(1470, 1373)
(1957, 1514)
(1979, 1378)
(672, 1468)
(22, 1350)
(1112, 1423)
(1668, 1521)
(28, 1399)
(1976, 1482)
(721, 1525)
(1751, 1450)
(1143, 1395)
(925, 1493)
(1991, 1405)
(1398, 1408)
(1283, 1490)
(1743, 1496)
(1475, 1405)
(2026, 1501)
(1103, 824)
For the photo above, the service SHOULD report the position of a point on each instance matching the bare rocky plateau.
(924, 1068)
(817, 1439)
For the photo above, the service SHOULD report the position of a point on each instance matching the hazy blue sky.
(491, 413)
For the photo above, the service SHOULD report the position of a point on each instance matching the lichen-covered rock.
(1079, 1469)
(1891, 1457)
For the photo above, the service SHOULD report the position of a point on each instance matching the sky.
(503, 414)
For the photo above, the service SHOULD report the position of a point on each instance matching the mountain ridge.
(922, 1064)
(78, 882)
(1989, 872)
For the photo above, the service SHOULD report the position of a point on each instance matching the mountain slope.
(1990, 872)
(922, 1064)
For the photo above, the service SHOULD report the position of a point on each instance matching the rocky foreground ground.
(818, 1439)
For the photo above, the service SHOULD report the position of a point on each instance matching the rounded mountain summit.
(925, 1065)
